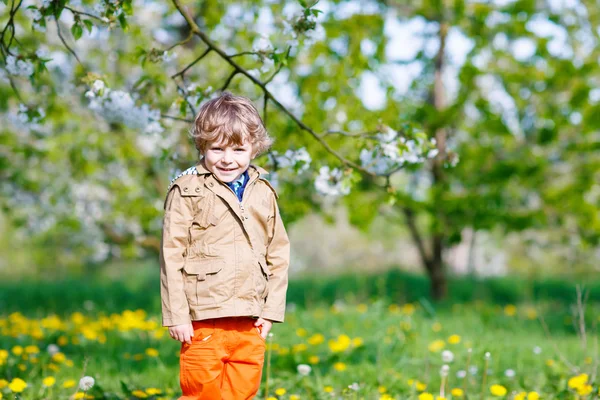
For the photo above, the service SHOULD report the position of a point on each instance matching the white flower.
(18, 67)
(537, 350)
(447, 356)
(487, 355)
(262, 44)
(52, 349)
(444, 370)
(473, 370)
(304, 369)
(354, 387)
(461, 374)
(267, 65)
(509, 373)
(86, 383)
(330, 183)
(98, 85)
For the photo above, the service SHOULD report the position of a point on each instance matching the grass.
(375, 338)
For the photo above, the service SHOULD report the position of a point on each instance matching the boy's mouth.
(227, 169)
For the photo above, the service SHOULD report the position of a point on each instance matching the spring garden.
(437, 168)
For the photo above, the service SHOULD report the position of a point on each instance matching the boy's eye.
(216, 149)
(240, 149)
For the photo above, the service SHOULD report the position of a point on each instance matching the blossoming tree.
(371, 103)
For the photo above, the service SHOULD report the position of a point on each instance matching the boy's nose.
(227, 157)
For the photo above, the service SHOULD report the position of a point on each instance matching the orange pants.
(224, 361)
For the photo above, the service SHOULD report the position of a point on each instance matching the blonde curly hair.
(232, 120)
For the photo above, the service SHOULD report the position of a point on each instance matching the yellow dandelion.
(357, 342)
(294, 397)
(457, 392)
(49, 381)
(362, 308)
(153, 391)
(550, 363)
(3, 354)
(578, 381)
(587, 360)
(17, 385)
(339, 366)
(316, 339)
(394, 309)
(436, 346)
(140, 394)
(313, 359)
(385, 396)
(425, 396)
(138, 357)
(59, 357)
(510, 310)
(69, 363)
(382, 389)
(299, 348)
(1, 396)
(408, 309)
(328, 389)
(150, 352)
(284, 351)
(280, 391)
(22, 367)
(533, 396)
(271, 398)
(32, 349)
(498, 390)
(17, 350)
(531, 313)
(440, 398)
(454, 339)
(3, 383)
(520, 396)
(584, 390)
(301, 332)
(62, 341)
(53, 367)
(79, 395)
(420, 386)
(69, 383)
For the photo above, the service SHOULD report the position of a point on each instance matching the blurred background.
(430, 152)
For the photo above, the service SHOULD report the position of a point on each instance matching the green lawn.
(382, 347)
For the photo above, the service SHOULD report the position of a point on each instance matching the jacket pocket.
(205, 283)
(262, 281)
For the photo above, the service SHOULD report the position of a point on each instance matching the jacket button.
(185, 189)
(197, 189)
(211, 184)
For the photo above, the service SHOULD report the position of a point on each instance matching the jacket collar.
(203, 171)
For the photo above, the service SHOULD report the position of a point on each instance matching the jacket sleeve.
(278, 261)
(177, 220)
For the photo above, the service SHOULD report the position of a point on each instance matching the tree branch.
(183, 71)
(198, 32)
(176, 118)
(84, 13)
(184, 41)
(233, 74)
(65, 43)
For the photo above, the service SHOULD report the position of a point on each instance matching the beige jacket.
(220, 257)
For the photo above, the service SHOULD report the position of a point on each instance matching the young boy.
(224, 255)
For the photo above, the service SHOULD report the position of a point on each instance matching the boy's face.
(228, 162)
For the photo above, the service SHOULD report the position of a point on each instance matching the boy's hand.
(183, 333)
(265, 326)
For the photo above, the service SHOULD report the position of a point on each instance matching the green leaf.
(88, 24)
(77, 31)
(123, 22)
